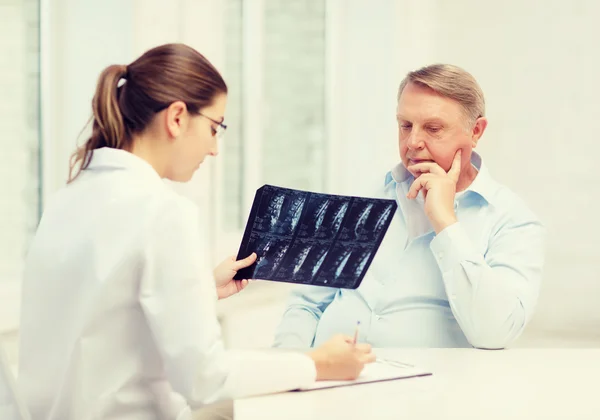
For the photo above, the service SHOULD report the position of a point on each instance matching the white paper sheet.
(381, 370)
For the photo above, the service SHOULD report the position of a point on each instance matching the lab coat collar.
(109, 158)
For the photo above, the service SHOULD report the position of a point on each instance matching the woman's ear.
(175, 115)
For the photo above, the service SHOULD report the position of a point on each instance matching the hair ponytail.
(108, 129)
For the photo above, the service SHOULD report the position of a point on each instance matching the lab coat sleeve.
(492, 295)
(178, 298)
(298, 326)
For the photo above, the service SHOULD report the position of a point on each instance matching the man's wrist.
(442, 223)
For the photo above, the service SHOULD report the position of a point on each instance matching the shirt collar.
(483, 184)
(109, 158)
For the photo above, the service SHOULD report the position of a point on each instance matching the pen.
(356, 332)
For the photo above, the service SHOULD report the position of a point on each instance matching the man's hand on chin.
(439, 190)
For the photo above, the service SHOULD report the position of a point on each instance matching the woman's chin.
(182, 177)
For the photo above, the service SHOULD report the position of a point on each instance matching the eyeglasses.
(219, 132)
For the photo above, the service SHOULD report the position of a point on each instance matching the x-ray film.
(310, 238)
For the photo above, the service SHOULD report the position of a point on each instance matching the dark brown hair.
(161, 76)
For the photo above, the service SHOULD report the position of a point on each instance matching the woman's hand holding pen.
(341, 359)
(224, 273)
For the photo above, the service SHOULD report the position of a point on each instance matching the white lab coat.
(11, 404)
(118, 311)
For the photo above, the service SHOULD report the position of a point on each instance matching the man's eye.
(405, 126)
(434, 129)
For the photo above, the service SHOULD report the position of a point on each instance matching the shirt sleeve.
(178, 298)
(299, 323)
(492, 295)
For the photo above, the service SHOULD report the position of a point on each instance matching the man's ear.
(175, 114)
(478, 129)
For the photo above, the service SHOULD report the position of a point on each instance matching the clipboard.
(312, 238)
(379, 371)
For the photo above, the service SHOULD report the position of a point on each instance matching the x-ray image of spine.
(312, 238)
(274, 210)
(366, 222)
(320, 216)
(315, 259)
(341, 263)
(349, 266)
(323, 218)
(300, 258)
(284, 213)
(262, 260)
(318, 264)
(339, 217)
(382, 219)
(279, 254)
(269, 258)
(297, 206)
(362, 220)
(362, 263)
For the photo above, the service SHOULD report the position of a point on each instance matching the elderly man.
(461, 263)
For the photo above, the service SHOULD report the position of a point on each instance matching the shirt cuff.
(259, 372)
(452, 246)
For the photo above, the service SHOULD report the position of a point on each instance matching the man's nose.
(415, 139)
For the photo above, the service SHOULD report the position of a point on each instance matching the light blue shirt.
(475, 284)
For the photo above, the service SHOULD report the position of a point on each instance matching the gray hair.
(452, 82)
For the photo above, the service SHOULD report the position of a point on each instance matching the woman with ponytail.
(118, 315)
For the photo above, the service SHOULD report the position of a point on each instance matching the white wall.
(363, 79)
(19, 141)
(76, 46)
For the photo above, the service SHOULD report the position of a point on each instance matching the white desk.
(466, 384)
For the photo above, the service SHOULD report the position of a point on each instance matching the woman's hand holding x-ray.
(224, 273)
